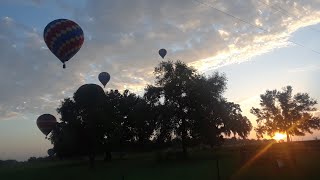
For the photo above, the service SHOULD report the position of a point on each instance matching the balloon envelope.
(162, 53)
(104, 78)
(46, 122)
(89, 96)
(64, 38)
(51, 152)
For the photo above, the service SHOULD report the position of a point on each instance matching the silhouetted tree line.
(182, 108)
(8, 162)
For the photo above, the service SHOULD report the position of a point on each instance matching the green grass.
(201, 166)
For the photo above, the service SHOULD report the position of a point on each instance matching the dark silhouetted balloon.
(51, 152)
(64, 38)
(89, 96)
(104, 78)
(162, 53)
(46, 122)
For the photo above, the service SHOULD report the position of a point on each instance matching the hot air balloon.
(162, 53)
(64, 38)
(104, 78)
(90, 96)
(46, 122)
(50, 152)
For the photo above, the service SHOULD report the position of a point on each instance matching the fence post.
(218, 175)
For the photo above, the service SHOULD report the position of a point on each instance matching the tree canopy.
(281, 111)
(182, 107)
(196, 105)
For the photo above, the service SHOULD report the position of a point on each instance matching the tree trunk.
(184, 149)
(184, 139)
(107, 156)
(91, 159)
(288, 136)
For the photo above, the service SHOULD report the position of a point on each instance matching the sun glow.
(279, 136)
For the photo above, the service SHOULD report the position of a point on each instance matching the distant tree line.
(183, 108)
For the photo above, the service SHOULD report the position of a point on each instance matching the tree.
(192, 106)
(82, 127)
(162, 115)
(212, 114)
(283, 112)
(143, 122)
(94, 122)
(235, 122)
(172, 80)
(131, 117)
(206, 108)
(67, 136)
(90, 99)
(182, 107)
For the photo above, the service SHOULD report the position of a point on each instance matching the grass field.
(202, 165)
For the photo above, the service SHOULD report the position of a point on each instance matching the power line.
(244, 21)
(230, 15)
(285, 12)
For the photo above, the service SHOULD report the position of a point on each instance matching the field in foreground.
(201, 166)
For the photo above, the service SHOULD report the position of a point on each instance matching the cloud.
(28, 72)
(7, 115)
(123, 38)
(246, 105)
(305, 68)
(317, 113)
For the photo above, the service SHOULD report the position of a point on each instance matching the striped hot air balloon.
(46, 122)
(64, 38)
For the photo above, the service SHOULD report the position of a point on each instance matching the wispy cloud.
(7, 115)
(305, 69)
(271, 37)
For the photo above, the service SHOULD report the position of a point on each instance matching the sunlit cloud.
(317, 113)
(260, 45)
(7, 115)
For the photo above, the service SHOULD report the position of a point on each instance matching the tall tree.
(162, 115)
(143, 122)
(206, 111)
(212, 114)
(194, 106)
(281, 111)
(173, 80)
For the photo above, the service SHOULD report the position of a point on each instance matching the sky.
(258, 44)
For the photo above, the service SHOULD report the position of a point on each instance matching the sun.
(278, 136)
